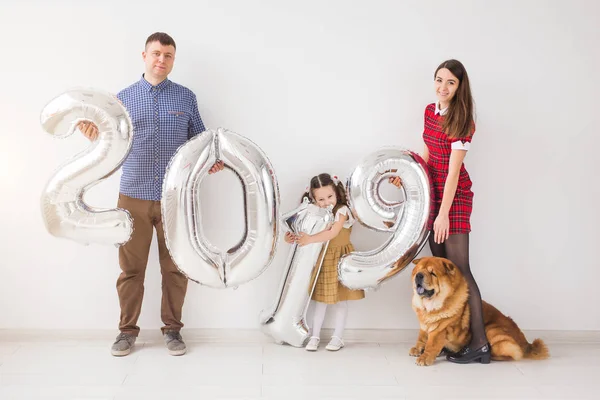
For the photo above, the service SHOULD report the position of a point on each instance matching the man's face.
(159, 60)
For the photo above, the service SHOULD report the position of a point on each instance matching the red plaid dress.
(440, 147)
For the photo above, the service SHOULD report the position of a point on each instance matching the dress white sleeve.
(344, 210)
(458, 145)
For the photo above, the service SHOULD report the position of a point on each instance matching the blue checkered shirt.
(164, 117)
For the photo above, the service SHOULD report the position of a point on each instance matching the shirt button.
(156, 178)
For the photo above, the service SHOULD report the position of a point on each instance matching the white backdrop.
(318, 85)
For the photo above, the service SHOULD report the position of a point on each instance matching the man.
(164, 115)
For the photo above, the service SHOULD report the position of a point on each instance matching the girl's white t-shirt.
(345, 211)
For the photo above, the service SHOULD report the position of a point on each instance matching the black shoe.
(444, 352)
(467, 355)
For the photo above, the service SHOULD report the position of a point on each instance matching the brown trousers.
(133, 257)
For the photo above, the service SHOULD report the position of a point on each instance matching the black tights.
(456, 249)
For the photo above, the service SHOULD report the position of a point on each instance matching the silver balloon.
(407, 220)
(64, 212)
(182, 219)
(285, 321)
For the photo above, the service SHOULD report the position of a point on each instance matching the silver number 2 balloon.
(182, 220)
(285, 321)
(64, 212)
(407, 220)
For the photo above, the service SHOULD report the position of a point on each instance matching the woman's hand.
(396, 181)
(441, 228)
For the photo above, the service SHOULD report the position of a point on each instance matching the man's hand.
(218, 166)
(89, 130)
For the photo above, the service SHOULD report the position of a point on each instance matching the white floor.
(81, 367)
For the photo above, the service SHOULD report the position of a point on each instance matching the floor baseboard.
(256, 336)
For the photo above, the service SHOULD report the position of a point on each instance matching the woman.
(449, 128)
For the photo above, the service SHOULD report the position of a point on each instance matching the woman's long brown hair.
(458, 121)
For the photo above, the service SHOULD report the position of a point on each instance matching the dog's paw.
(415, 352)
(424, 360)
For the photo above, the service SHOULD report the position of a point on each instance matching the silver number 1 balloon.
(407, 220)
(285, 321)
(64, 212)
(182, 219)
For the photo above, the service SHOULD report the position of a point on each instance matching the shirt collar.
(438, 111)
(148, 86)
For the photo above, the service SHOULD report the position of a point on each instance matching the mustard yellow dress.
(328, 288)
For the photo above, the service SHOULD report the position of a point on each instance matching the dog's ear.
(449, 266)
(416, 261)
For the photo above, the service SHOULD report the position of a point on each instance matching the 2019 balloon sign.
(66, 215)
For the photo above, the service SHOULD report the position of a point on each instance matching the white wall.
(318, 85)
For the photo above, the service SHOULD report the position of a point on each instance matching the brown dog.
(440, 302)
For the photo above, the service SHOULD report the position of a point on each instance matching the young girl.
(325, 191)
(449, 128)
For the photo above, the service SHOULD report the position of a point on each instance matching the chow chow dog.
(440, 302)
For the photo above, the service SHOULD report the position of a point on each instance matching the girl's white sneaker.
(335, 344)
(313, 344)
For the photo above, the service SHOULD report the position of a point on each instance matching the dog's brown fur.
(444, 313)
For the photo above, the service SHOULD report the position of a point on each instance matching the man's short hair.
(161, 37)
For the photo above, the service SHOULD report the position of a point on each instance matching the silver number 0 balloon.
(182, 220)
(64, 212)
(407, 221)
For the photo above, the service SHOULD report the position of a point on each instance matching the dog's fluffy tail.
(536, 350)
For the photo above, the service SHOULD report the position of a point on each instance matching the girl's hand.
(396, 181)
(303, 239)
(290, 237)
(441, 228)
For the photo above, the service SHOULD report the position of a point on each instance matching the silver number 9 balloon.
(64, 212)
(182, 220)
(285, 321)
(407, 220)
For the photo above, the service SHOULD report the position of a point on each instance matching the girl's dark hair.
(458, 121)
(323, 180)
